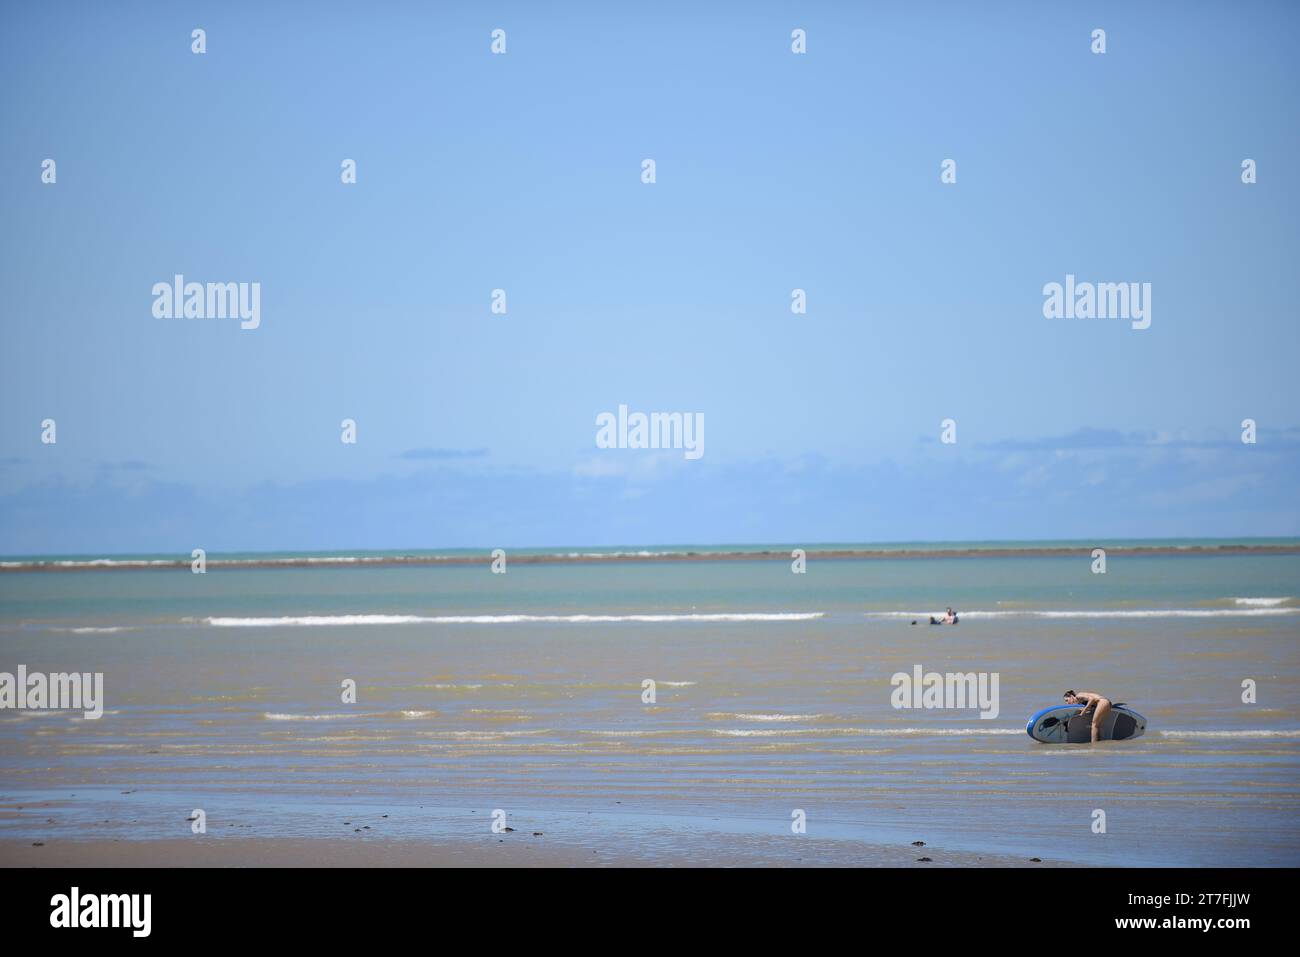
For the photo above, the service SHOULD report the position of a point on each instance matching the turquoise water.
(986, 585)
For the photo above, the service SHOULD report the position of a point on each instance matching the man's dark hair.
(1068, 694)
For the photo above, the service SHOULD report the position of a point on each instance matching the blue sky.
(522, 172)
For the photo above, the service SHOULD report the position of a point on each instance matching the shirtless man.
(1091, 702)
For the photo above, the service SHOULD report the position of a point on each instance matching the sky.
(522, 171)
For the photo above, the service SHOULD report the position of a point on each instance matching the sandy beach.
(511, 850)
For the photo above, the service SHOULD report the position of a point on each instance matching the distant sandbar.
(597, 558)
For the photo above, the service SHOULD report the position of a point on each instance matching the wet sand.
(509, 850)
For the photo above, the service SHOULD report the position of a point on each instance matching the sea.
(694, 703)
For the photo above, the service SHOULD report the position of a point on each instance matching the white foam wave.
(487, 735)
(181, 562)
(1245, 733)
(641, 554)
(728, 716)
(89, 630)
(98, 563)
(865, 732)
(1261, 602)
(113, 563)
(328, 620)
(1101, 613)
